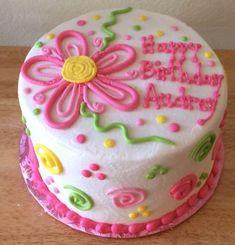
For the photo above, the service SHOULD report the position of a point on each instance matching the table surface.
(23, 220)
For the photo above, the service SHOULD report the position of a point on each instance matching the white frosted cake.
(123, 111)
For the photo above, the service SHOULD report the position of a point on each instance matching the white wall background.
(22, 22)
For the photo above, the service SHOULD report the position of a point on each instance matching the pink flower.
(70, 73)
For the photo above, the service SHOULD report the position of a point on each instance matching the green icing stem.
(113, 20)
(122, 127)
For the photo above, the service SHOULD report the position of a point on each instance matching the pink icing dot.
(182, 209)
(203, 192)
(36, 176)
(47, 181)
(139, 121)
(27, 90)
(211, 63)
(152, 226)
(72, 216)
(210, 180)
(56, 190)
(136, 228)
(81, 138)
(51, 198)
(61, 208)
(100, 176)
(127, 37)
(174, 127)
(200, 122)
(94, 166)
(51, 179)
(174, 28)
(157, 63)
(168, 218)
(119, 229)
(90, 33)
(215, 168)
(87, 223)
(81, 22)
(193, 200)
(103, 228)
(86, 173)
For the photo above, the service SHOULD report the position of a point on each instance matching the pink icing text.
(174, 71)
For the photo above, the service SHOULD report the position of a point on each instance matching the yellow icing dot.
(141, 208)
(79, 69)
(208, 54)
(142, 18)
(48, 159)
(96, 17)
(109, 143)
(146, 213)
(161, 119)
(132, 215)
(159, 33)
(50, 36)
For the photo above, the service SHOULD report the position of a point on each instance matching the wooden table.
(22, 220)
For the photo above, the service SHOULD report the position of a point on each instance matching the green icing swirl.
(112, 21)
(122, 127)
(203, 147)
(79, 199)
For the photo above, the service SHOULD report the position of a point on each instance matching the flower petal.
(71, 43)
(119, 95)
(42, 70)
(114, 58)
(62, 109)
(93, 106)
(40, 97)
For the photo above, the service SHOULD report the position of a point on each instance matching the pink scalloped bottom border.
(51, 205)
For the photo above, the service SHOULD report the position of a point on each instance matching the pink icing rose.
(126, 197)
(183, 187)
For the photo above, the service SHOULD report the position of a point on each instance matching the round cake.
(123, 111)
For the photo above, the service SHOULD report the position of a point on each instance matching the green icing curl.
(203, 147)
(79, 199)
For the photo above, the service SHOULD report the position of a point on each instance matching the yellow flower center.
(79, 69)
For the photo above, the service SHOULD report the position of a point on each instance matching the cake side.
(165, 103)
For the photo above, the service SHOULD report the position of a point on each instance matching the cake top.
(124, 82)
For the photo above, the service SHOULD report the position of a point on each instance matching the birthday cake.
(123, 111)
